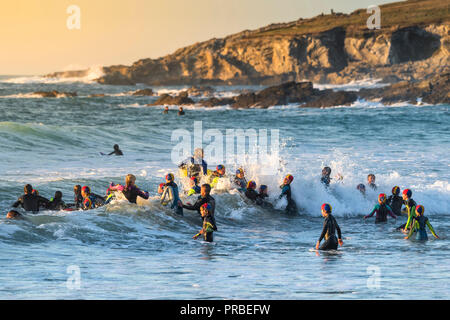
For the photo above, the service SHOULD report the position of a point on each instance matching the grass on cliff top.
(401, 14)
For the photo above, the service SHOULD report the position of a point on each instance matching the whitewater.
(128, 252)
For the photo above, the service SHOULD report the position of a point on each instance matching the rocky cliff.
(412, 44)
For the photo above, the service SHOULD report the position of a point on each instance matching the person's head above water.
(361, 187)
(288, 179)
(205, 190)
(85, 191)
(161, 188)
(371, 178)
(396, 191)
(326, 171)
(263, 189)
(193, 181)
(420, 210)
(220, 169)
(13, 214)
(205, 209)
(169, 177)
(180, 108)
(198, 153)
(381, 198)
(406, 194)
(77, 189)
(326, 209)
(58, 195)
(116, 147)
(130, 180)
(251, 185)
(240, 173)
(35, 192)
(28, 189)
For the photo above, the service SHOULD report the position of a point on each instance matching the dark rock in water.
(433, 91)
(143, 92)
(97, 95)
(55, 94)
(197, 91)
(166, 99)
(330, 98)
(215, 102)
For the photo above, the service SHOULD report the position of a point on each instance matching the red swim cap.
(251, 184)
(407, 192)
(420, 209)
(382, 198)
(86, 189)
(327, 207)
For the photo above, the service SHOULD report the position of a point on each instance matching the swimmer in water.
(410, 205)
(209, 223)
(56, 203)
(395, 201)
(216, 175)
(14, 215)
(286, 192)
(29, 201)
(371, 181)
(204, 197)
(194, 187)
(240, 181)
(381, 209)
(419, 224)
(129, 190)
(116, 151)
(91, 200)
(181, 111)
(166, 110)
(326, 179)
(361, 188)
(171, 195)
(330, 226)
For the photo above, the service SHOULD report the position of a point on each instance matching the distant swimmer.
(371, 181)
(419, 224)
(116, 151)
(181, 111)
(30, 201)
(286, 192)
(91, 200)
(14, 215)
(129, 190)
(381, 209)
(216, 175)
(330, 226)
(361, 188)
(171, 196)
(77, 198)
(395, 201)
(194, 187)
(239, 180)
(166, 110)
(56, 203)
(204, 197)
(326, 179)
(410, 205)
(195, 165)
(209, 223)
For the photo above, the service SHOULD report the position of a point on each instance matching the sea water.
(123, 251)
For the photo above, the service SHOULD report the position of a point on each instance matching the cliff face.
(327, 49)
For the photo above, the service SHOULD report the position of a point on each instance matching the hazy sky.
(35, 38)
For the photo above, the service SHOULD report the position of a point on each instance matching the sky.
(35, 37)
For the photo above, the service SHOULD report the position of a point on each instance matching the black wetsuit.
(396, 203)
(117, 152)
(56, 204)
(253, 195)
(325, 180)
(181, 113)
(329, 233)
(291, 207)
(31, 202)
(210, 222)
(373, 186)
(200, 201)
(78, 200)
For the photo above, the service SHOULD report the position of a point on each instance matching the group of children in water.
(205, 204)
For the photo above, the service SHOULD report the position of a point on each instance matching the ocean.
(122, 251)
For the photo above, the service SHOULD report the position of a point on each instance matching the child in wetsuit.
(216, 175)
(195, 188)
(286, 191)
(325, 179)
(90, 200)
(419, 224)
(171, 192)
(240, 181)
(395, 201)
(209, 223)
(56, 203)
(330, 227)
(371, 181)
(410, 205)
(381, 209)
(30, 201)
(251, 193)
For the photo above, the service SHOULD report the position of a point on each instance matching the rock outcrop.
(55, 94)
(412, 44)
(166, 99)
(143, 92)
